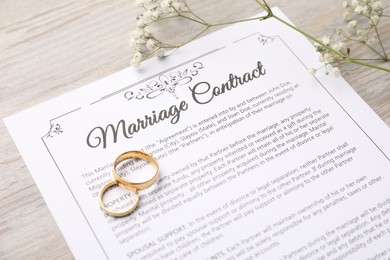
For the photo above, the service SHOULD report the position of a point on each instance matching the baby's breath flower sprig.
(363, 17)
(144, 44)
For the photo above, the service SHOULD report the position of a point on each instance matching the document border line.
(174, 67)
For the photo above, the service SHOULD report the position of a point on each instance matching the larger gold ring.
(117, 213)
(137, 155)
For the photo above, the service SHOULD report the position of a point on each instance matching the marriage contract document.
(258, 158)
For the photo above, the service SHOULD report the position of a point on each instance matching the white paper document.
(258, 159)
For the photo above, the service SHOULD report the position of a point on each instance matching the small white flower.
(133, 44)
(150, 44)
(136, 60)
(359, 32)
(317, 46)
(377, 6)
(354, 3)
(147, 33)
(338, 30)
(328, 58)
(370, 40)
(345, 4)
(160, 52)
(347, 15)
(178, 5)
(147, 15)
(312, 71)
(137, 33)
(165, 4)
(139, 3)
(336, 71)
(156, 14)
(375, 19)
(326, 39)
(338, 46)
(358, 9)
(137, 56)
(153, 5)
(141, 22)
(366, 10)
(352, 24)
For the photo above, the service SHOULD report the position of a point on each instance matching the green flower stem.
(349, 38)
(194, 37)
(380, 42)
(201, 21)
(261, 18)
(368, 65)
(192, 19)
(207, 25)
(194, 14)
(372, 59)
(375, 51)
(265, 6)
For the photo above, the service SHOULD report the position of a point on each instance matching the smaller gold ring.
(138, 155)
(118, 213)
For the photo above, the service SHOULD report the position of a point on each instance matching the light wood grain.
(48, 48)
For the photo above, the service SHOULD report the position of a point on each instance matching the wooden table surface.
(50, 47)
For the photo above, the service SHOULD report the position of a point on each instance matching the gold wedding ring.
(132, 186)
(118, 213)
(136, 155)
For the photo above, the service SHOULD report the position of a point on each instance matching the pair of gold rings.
(132, 186)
